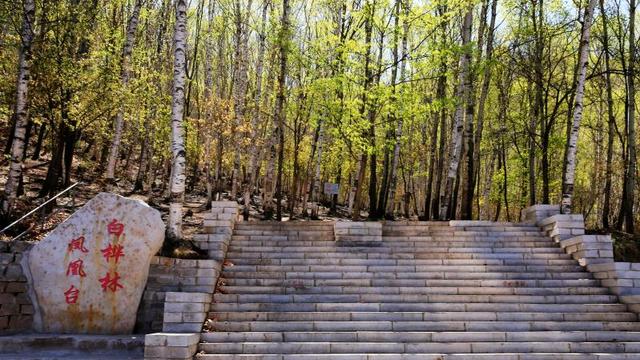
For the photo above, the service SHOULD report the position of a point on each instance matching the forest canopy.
(416, 109)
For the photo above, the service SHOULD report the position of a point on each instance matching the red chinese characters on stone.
(75, 268)
(113, 252)
(77, 244)
(116, 228)
(71, 295)
(111, 283)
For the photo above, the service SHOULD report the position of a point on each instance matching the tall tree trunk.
(398, 133)
(630, 178)
(208, 100)
(572, 140)
(42, 131)
(368, 79)
(239, 89)
(611, 120)
(250, 177)
(315, 180)
(132, 26)
(484, 93)
(280, 113)
(178, 160)
(464, 88)
(21, 111)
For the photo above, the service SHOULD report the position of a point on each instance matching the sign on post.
(331, 188)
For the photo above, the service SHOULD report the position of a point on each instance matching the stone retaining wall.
(173, 275)
(170, 346)
(179, 292)
(595, 252)
(16, 309)
(185, 312)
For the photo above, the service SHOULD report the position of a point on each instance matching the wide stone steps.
(406, 275)
(392, 250)
(413, 290)
(420, 336)
(463, 262)
(436, 325)
(356, 253)
(423, 316)
(403, 268)
(429, 290)
(411, 283)
(267, 241)
(416, 307)
(408, 348)
(423, 356)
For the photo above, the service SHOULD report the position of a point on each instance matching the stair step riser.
(392, 262)
(403, 268)
(411, 283)
(430, 347)
(412, 290)
(422, 356)
(409, 337)
(423, 316)
(407, 275)
(426, 326)
(396, 249)
(363, 254)
(382, 298)
(415, 307)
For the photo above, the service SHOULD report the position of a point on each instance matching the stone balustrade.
(595, 252)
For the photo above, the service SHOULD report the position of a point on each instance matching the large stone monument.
(88, 275)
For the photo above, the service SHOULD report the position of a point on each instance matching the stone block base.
(170, 346)
(358, 233)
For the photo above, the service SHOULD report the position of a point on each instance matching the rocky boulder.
(89, 273)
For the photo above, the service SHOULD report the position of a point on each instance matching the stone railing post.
(534, 214)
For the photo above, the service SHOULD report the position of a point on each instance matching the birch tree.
(572, 141)
(464, 88)
(178, 158)
(630, 173)
(127, 48)
(21, 110)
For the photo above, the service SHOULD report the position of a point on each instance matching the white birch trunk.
(570, 160)
(208, 92)
(21, 109)
(178, 162)
(315, 182)
(132, 26)
(458, 123)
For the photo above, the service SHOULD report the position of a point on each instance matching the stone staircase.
(458, 290)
